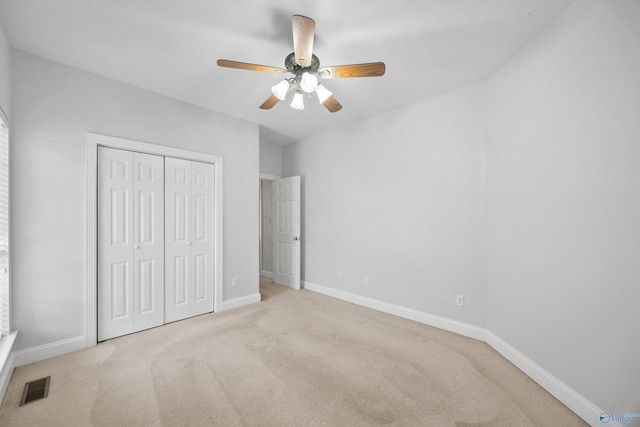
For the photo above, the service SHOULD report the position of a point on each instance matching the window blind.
(4, 229)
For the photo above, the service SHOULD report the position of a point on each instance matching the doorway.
(280, 230)
(266, 225)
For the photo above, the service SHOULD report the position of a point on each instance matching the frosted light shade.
(297, 102)
(280, 90)
(308, 82)
(323, 93)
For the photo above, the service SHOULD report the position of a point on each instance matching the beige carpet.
(296, 359)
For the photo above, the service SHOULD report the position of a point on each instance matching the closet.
(155, 240)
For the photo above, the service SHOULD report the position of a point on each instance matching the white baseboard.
(459, 328)
(36, 354)
(565, 394)
(240, 302)
(267, 274)
(47, 351)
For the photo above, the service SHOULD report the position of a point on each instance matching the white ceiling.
(171, 47)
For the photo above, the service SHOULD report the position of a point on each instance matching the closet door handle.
(188, 243)
(137, 247)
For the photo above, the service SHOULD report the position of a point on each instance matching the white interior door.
(189, 238)
(130, 242)
(286, 233)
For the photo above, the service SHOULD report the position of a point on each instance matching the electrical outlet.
(460, 300)
(339, 275)
(234, 282)
(366, 280)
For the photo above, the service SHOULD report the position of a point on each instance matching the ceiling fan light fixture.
(305, 69)
(308, 82)
(280, 90)
(298, 101)
(323, 93)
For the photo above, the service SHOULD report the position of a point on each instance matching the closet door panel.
(202, 194)
(148, 252)
(177, 239)
(115, 243)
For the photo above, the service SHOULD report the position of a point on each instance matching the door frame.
(94, 140)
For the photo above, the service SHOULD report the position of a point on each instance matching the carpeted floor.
(296, 359)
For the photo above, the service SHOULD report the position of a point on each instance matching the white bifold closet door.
(189, 237)
(130, 242)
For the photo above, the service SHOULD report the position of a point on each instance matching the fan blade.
(371, 69)
(246, 66)
(303, 33)
(332, 104)
(269, 103)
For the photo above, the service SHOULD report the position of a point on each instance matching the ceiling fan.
(305, 67)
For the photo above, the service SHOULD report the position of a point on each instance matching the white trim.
(92, 142)
(269, 177)
(91, 246)
(460, 328)
(47, 351)
(36, 354)
(565, 394)
(6, 343)
(6, 362)
(241, 301)
(267, 274)
(5, 377)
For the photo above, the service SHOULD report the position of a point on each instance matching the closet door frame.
(93, 141)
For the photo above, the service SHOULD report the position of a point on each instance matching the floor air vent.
(35, 390)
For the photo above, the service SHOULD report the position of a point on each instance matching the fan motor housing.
(292, 67)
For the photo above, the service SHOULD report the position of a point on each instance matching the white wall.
(53, 106)
(399, 198)
(564, 201)
(562, 205)
(270, 157)
(5, 73)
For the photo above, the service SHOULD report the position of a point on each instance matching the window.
(4, 228)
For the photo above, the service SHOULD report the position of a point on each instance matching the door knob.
(297, 238)
(188, 243)
(136, 247)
